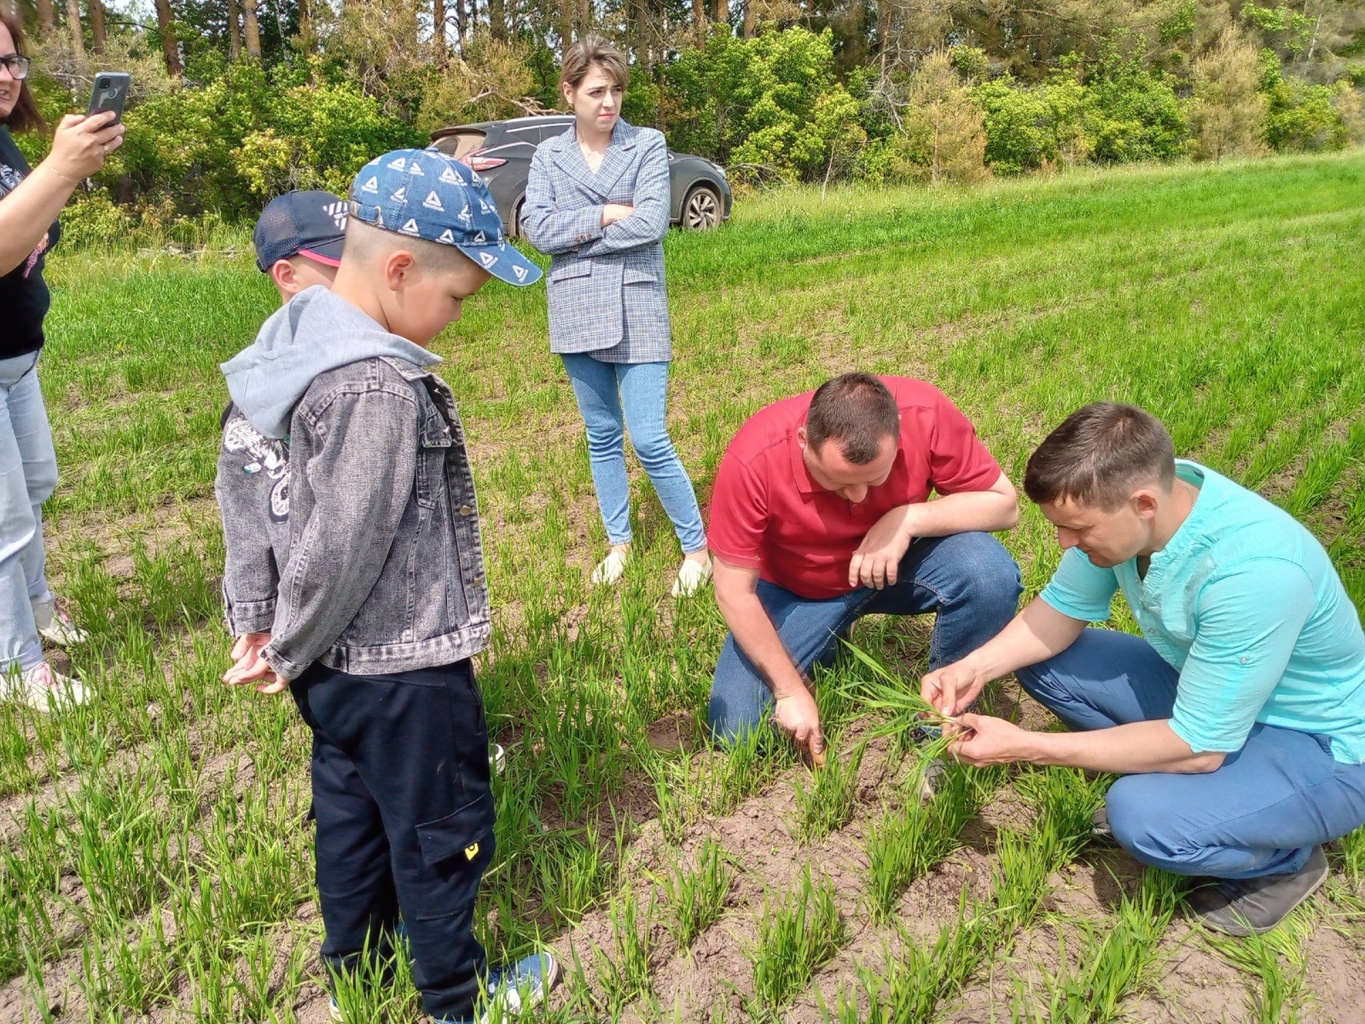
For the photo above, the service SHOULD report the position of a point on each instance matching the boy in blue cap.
(382, 601)
(298, 240)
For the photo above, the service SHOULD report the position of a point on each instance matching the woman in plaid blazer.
(597, 203)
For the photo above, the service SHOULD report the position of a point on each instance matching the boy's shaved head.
(368, 244)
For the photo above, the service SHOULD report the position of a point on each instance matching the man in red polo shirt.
(820, 515)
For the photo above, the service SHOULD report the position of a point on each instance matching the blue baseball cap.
(311, 224)
(426, 194)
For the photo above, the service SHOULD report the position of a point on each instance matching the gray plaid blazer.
(606, 285)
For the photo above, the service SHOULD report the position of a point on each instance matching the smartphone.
(109, 91)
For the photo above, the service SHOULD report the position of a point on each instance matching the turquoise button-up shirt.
(1245, 603)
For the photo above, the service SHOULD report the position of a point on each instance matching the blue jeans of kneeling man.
(968, 579)
(1261, 813)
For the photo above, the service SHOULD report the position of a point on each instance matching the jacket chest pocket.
(435, 444)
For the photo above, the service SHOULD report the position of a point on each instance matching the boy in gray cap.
(382, 600)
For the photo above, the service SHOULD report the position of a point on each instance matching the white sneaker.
(610, 569)
(497, 759)
(691, 577)
(44, 688)
(54, 623)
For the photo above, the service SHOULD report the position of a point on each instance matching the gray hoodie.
(314, 332)
(384, 564)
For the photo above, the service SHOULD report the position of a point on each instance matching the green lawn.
(156, 855)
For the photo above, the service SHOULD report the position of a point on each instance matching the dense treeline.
(236, 100)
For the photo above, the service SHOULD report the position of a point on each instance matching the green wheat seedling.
(895, 698)
(906, 842)
(794, 938)
(916, 983)
(623, 974)
(693, 899)
(1278, 963)
(826, 803)
(1111, 963)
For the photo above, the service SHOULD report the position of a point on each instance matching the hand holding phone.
(109, 91)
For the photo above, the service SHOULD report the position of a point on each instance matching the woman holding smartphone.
(597, 202)
(30, 200)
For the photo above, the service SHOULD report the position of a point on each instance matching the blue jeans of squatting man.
(616, 398)
(968, 580)
(1261, 813)
(28, 475)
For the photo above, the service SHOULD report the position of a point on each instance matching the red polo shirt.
(768, 514)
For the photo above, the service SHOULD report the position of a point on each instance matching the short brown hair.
(593, 51)
(25, 116)
(1099, 455)
(858, 411)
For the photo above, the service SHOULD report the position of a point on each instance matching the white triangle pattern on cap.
(487, 258)
(398, 163)
(479, 239)
(415, 169)
(447, 236)
(410, 228)
(450, 177)
(433, 202)
(401, 196)
(370, 186)
(520, 272)
(465, 214)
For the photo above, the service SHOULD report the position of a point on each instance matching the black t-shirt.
(23, 292)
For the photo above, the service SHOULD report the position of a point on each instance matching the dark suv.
(501, 152)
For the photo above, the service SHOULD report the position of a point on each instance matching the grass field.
(156, 853)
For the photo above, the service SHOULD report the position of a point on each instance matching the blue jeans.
(639, 390)
(1261, 813)
(28, 475)
(968, 579)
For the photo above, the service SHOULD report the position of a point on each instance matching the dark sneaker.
(1099, 826)
(1250, 906)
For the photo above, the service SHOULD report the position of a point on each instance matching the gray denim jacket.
(384, 571)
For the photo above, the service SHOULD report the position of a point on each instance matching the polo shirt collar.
(805, 483)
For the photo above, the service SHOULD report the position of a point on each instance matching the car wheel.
(514, 227)
(701, 209)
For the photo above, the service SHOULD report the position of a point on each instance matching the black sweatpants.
(404, 809)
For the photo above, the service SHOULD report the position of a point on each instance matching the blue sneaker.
(513, 989)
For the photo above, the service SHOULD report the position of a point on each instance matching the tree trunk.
(750, 17)
(438, 28)
(47, 19)
(720, 11)
(252, 29)
(497, 20)
(170, 46)
(73, 23)
(234, 27)
(98, 33)
(699, 21)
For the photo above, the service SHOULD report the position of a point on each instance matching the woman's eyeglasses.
(17, 65)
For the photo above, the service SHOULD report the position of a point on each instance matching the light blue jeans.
(968, 580)
(1261, 813)
(28, 475)
(615, 398)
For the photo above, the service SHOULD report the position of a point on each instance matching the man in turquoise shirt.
(1237, 719)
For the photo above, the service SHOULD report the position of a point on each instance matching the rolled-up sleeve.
(1079, 589)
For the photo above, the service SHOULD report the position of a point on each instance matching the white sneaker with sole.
(691, 577)
(43, 688)
(54, 623)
